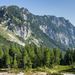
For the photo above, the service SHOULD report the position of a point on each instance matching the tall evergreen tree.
(68, 58)
(7, 57)
(47, 57)
(25, 58)
(15, 65)
(57, 55)
(52, 57)
(1, 57)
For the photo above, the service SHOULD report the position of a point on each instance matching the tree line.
(32, 56)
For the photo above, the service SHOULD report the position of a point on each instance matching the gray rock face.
(48, 30)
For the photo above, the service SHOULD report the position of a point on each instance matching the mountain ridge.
(49, 31)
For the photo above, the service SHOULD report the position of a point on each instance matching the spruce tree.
(1, 53)
(25, 58)
(15, 65)
(47, 57)
(7, 57)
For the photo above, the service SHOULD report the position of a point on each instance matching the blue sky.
(59, 8)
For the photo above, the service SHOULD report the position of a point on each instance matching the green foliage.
(7, 57)
(68, 57)
(15, 62)
(52, 57)
(47, 57)
(56, 55)
(25, 58)
(12, 13)
(31, 56)
(1, 53)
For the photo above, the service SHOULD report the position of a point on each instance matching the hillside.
(22, 27)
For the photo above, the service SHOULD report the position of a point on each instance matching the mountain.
(20, 26)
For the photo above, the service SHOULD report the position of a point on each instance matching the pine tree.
(1, 53)
(1, 57)
(29, 63)
(68, 58)
(15, 65)
(47, 57)
(52, 57)
(74, 55)
(57, 56)
(25, 58)
(61, 59)
(31, 53)
(7, 57)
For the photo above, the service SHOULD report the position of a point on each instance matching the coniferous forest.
(32, 56)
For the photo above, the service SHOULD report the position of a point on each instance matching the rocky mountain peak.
(47, 30)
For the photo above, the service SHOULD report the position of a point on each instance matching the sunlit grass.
(55, 69)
